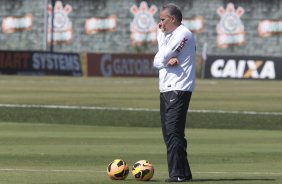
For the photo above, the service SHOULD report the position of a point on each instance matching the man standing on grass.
(175, 61)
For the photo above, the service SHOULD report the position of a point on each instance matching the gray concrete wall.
(119, 41)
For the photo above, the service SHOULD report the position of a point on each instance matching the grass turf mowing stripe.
(93, 171)
(136, 109)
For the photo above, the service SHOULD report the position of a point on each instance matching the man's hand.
(173, 62)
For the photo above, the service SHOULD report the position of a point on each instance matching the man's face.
(166, 22)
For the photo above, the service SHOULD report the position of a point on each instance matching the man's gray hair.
(173, 11)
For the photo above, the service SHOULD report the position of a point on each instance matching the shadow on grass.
(232, 179)
(222, 180)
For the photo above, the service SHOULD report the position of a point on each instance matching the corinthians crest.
(230, 29)
(143, 26)
(62, 24)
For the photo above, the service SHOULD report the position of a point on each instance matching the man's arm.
(167, 54)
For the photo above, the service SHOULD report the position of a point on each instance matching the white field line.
(93, 171)
(136, 109)
(48, 170)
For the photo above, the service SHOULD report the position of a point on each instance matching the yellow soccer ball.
(143, 170)
(118, 169)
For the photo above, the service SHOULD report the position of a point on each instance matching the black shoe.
(178, 180)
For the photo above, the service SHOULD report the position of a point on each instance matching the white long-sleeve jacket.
(180, 44)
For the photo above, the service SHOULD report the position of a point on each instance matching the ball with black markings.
(143, 170)
(118, 169)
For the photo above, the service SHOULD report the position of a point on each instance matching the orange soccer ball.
(143, 170)
(118, 169)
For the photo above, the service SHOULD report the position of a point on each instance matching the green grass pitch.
(71, 146)
(64, 154)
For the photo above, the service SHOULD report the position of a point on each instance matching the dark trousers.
(173, 110)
